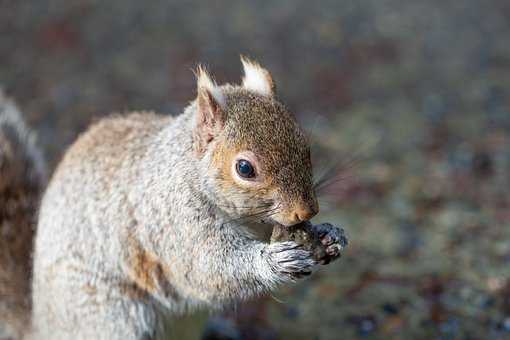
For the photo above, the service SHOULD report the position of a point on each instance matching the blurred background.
(412, 97)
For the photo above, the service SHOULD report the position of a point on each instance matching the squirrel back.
(22, 179)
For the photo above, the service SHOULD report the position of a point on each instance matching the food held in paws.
(324, 240)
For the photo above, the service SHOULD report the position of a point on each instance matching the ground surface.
(416, 93)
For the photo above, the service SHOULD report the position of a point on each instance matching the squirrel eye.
(245, 169)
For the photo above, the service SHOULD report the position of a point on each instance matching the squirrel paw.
(334, 240)
(289, 260)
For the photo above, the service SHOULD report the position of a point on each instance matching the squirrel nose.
(304, 212)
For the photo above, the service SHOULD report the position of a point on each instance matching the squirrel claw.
(334, 240)
(289, 260)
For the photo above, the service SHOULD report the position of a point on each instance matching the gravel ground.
(412, 97)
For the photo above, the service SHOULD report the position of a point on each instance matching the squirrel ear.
(209, 115)
(256, 78)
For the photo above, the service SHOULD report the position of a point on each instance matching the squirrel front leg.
(240, 268)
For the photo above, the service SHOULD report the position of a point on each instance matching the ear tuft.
(256, 78)
(209, 118)
(206, 83)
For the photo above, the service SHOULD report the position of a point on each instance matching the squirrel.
(147, 216)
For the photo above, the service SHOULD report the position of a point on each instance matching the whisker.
(254, 215)
(277, 300)
(336, 170)
(340, 177)
(267, 205)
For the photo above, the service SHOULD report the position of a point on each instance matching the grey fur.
(138, 223)
(148, 189)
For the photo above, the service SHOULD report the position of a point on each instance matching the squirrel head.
(256, 155)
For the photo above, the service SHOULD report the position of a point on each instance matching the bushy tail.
(22, 179)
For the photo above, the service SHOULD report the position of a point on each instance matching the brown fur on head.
(239, 124)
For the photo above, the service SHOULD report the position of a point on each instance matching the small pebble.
(390, 308)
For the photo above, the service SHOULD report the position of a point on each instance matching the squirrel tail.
(22, 179)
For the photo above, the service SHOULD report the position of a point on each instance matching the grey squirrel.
(146, 215)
